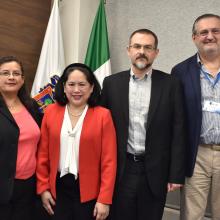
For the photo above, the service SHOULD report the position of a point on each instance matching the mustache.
(142, 56)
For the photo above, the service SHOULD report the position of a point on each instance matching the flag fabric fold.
(98, 56)
(51, 62)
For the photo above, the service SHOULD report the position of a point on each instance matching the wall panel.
(22, 28)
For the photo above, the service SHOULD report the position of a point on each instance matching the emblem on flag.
(46, 94)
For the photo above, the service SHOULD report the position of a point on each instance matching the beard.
(142, 66)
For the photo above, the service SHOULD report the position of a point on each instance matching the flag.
(98, 56)
(51, 62)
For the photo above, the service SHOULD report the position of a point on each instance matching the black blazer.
(165, 129)
(188, 72)
(9, 134)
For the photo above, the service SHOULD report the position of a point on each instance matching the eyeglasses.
(146, 48)
(204, 33)
(14, 73)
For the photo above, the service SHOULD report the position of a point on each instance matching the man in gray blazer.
(147, 109)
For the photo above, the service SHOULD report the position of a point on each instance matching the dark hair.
(145, 31)
(60, 96)
(22, 93)
(8, 59)
(202, 17)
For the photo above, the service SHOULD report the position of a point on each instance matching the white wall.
(171, 20)
(76, 19)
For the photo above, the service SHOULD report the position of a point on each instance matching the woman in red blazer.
(76, 165)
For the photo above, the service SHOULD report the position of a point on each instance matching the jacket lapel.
(156, 88)
(124, 94)
(194, 74)
(6, 113)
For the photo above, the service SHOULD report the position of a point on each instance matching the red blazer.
(97, 154)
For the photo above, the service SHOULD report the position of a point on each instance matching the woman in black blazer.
(19, 135)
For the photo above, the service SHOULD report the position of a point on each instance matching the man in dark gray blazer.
(147, 109)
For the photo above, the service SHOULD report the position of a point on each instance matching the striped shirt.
(139, 100)
(210, 91)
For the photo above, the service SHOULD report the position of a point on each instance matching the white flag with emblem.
(51, 62)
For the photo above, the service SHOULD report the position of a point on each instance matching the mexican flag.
(97, 56)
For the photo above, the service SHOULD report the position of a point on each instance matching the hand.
(173, 186)
(47, 201)
(101, 211)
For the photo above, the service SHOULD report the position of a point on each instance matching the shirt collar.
(199, 61)
(147, 74)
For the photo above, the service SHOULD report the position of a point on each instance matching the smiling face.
(207, 36)
(77, 89)
(11, 78)
(142, 51)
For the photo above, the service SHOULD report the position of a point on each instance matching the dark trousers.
(133, 199)
(68, 205)
(21, 205)
(40, 213)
